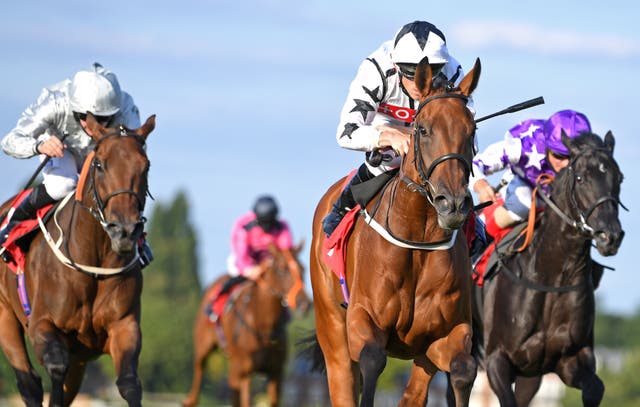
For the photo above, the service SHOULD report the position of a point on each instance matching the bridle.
(424, 187)
(97, 210)
(583, 215)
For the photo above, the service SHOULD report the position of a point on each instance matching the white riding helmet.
(417, 40)
(93, 92)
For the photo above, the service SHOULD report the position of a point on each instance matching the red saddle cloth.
(218, 302)
(15, 245)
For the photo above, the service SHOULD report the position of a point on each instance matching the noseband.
(101, 203)
(424, 187)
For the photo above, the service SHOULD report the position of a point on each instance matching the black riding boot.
(345, 201)
(27, 209)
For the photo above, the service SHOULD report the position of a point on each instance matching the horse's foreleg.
(124, 348)
(273, 389)
(240, 391)
(416, 391)
(73, 380)
(526, 389)
(579, 371)
(373, 359)
(452, 354)
(342, 372)
(500, 373)
(367, 346)
(14, 348)
(204, 342)
(54, 356)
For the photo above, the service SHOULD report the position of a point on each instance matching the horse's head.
(442, 145)
(283, 274)
(115, 188)
(592, 184)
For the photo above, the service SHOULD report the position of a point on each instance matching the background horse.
(405, 302)
(539, 309)
(77, 315)
(252, 329)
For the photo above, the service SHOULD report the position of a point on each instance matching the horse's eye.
(98, 165)
(422, 130)
(579, 178)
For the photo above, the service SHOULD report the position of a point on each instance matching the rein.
(97, 211)
(89, 169)
(581, 223)
(423, 187)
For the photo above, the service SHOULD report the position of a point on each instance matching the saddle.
(14, 250)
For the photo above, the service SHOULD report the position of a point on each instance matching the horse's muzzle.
(452, 210)
(608, 242)
(124, 236)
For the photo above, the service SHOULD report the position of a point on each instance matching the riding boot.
(145, 252)
(345, 201)
(480, 241)
(27, 209)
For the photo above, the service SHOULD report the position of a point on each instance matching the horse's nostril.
(442, 204)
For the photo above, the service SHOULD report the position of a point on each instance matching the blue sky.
(247, 94)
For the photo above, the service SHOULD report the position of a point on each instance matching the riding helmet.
(266, 211)
(92, 92)
(573, 123)
(417, 40)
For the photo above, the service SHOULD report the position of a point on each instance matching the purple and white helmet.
(573, 123)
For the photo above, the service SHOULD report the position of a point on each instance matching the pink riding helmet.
(573, 123)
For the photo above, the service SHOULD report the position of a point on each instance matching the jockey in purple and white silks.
(383, 99)
(62, 108)
(531, 148)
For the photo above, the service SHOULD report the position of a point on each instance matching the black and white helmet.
(417, 40)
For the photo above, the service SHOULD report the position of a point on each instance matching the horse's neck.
(410, 215)
(87, 241)
(268, 303)
(560, 247)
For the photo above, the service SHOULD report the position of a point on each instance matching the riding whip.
(42, 164)
(515, 108)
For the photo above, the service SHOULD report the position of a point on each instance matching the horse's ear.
(470, 80)
(567, 141)
(298, 248)
(423, 77)
(148, 126)
(94, 129)
(609, 141)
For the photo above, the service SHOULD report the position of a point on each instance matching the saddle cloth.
(15, 248)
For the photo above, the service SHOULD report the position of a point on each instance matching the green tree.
(170, 299)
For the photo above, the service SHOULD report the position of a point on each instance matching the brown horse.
(252, 329)
(539, 310)
(410, 302)
(90, 304)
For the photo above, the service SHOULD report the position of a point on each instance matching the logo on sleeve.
(403, 114)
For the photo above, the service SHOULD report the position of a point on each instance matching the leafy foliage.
(170, 299)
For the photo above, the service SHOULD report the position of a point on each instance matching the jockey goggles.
(409, 70)
(103, 120)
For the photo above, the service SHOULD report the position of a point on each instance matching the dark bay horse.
(252, 329)
(90, 304)
(409, 302)
(539, 310)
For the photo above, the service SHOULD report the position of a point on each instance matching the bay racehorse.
(539, 309)
(406, 299)
(252, 329)
(84, 293)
